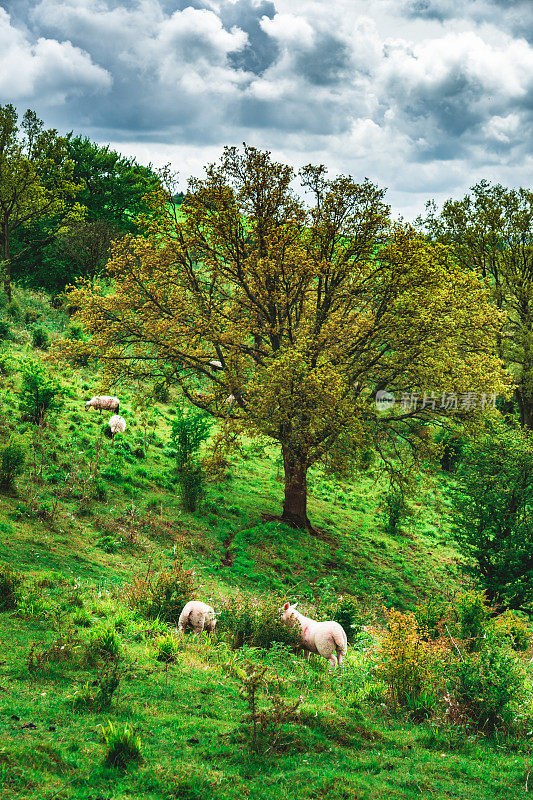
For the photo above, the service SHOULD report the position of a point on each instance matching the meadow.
(89, 671)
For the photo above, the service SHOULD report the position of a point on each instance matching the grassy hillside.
(70, 625)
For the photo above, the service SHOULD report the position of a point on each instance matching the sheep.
(214, 364)
(328, 639)
(117, 424)
(103, 402)
(199, 616)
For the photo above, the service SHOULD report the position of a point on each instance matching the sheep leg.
(340, 660)
(332, 662)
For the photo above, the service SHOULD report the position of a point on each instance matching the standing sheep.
(117, 424)
(199, 616)
(328, 639)
(103, 403)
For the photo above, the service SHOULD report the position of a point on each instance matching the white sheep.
(214, 364)
(328, 639)
(117, 424)
(199, 616)
(103, 402)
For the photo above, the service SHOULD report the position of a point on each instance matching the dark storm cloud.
(326, 62)
(260, 51)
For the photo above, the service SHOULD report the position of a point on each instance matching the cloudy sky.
(422, 96)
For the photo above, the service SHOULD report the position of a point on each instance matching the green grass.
(189, 714)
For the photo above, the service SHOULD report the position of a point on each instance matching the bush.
(188, 434)
(163, 594)
(346, 612)
(38, 393)
(395, 511)
(191, 480)
(5, 332)
(514, 629)
(12, 457)
(256, 622)
(408, 663)
(493, 514)
(167, 650)
(123, 745)
(473, 614)
(14, 311)
(9, 584)
(487, 683)
(103, 645)
(40, 338)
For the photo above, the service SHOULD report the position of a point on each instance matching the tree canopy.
(37, 186)
(286, 318)
(490, 231)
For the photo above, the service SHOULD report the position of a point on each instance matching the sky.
(423, 97)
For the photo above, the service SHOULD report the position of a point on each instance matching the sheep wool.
(328, 639)
(198, 616)
(117, 424)
(103, 403)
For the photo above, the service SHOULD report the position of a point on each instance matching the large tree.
(490, 231)
(37, 187)
(301, 313)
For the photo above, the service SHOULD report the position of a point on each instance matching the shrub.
(103, 645)
(347, 613)
(3, 300)
(255, 621)
(9, 584)
(12, 457)
(433, 614)
(188, 434)
(38, 393)
(5, 331)
(40, 338)
(473, 614)
(395, 511)
(514, 629)
(493, 514)
(163, 594)
(408, 663)
(123, 745)
(14, 311)
(167, 650)
(191, 480)
(487, 682)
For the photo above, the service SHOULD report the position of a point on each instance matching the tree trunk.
(6, 269)
(525, 405)
(295, 503)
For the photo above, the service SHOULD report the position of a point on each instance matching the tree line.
(63, 201)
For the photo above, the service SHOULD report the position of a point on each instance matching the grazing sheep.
(328, 639)
(103, 402)
(214, 364)
(117, 424)
(199, 616)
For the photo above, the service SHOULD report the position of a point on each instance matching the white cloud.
(47, 68)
